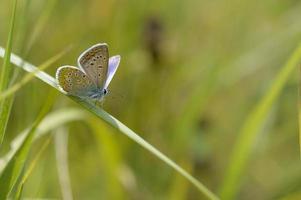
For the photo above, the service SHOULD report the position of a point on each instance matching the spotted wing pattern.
(94, 62)
(74, 81)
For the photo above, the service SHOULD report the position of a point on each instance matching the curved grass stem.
(113, 122)
(252, 126)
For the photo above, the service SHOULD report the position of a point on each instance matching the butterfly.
(90, 80)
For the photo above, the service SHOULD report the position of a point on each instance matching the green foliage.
(30, 169)
(5, 77)
(251, 128)
(299, 112)
(200, 80)
(93, 108)
(27, 78)
(14, 167)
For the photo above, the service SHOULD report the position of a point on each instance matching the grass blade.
(50, 122)
(116, 124)
(6, 69)
(251, 127)
(6, 72)
(30, 168)
(11, 172)
(19, 194)
(299, 113)
(135, 137)
(61, 154)
(28, 77)
(27, 43)
(29, 68)
(106, 145)
(40, 24)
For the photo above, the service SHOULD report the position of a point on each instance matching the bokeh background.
(190, 74)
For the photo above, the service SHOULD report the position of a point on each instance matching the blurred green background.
(191, 72)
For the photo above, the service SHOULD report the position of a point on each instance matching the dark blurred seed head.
(152, 36)
(203, 164)
(205, 123)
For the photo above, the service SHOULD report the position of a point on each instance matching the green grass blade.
(40, 24)
(19, 194)
(116, 124)
(29, 68)
(51, 121)
(27, 43)
(299, 113)
(6, 68)
(12, 170)
(251, 127)
(135, 137)
(61, 154)
(28, 77)
(31, 166)
(6, 72)
(5, 108)
(107, 145)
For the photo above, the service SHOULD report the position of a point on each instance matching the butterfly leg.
(98, 103)
(101, 103)
(95, 102)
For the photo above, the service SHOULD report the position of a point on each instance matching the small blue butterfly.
(92, 78)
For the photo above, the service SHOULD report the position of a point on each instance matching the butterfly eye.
(105, 91)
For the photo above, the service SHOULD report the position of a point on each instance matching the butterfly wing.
(94, 62)
(74, 81)
(113, 65)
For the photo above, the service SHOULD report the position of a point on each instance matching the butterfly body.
(98, 93)
(93, 76)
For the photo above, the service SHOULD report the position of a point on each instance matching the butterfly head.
(98, 94)
(105, 91)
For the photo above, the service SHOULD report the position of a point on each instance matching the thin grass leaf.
(116, 124)
(29, 76)
(27, 44)
(19, 194)
(179, 188)
(135, 137)
(50, 122)
(299, 113)
(5, 109)
(29, 68)
(13, 169)
(250, 129)
(61, 154)
(6, 71)
(108, 146)
(6, 67)
(39, 26)
(31, 166)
